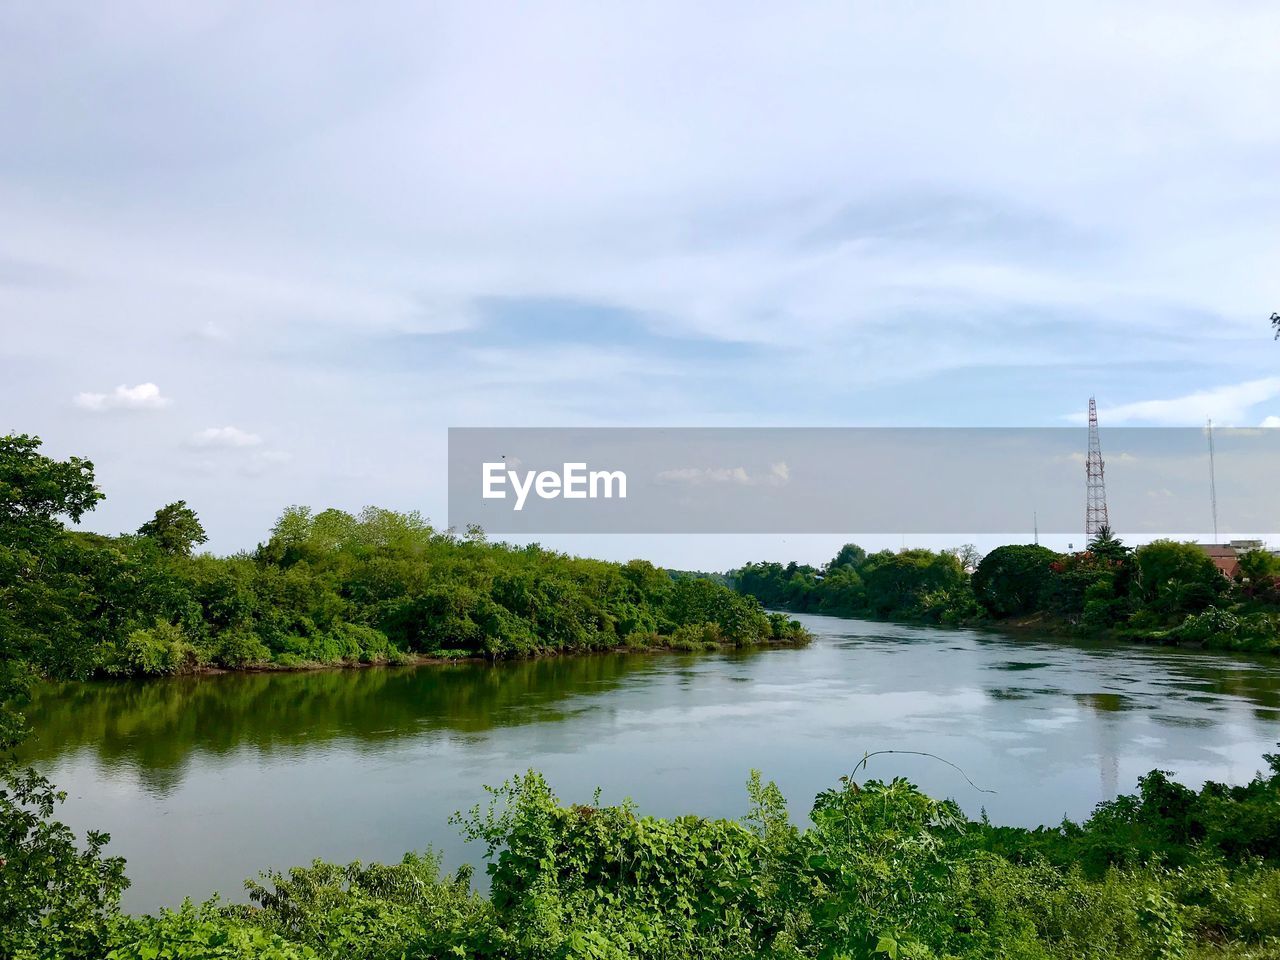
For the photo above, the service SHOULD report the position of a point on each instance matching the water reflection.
(203, 781)
(158, 727)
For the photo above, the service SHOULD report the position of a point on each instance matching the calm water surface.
(205, 781)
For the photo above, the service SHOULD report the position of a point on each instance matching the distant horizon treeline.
(325, 587)
(1164, 591)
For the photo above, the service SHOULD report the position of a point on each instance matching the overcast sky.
(260, 254)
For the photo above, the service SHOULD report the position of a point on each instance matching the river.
(203, 781)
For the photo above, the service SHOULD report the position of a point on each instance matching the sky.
(256, 255)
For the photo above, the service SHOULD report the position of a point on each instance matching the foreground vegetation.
(1163, 592)
(881, 871)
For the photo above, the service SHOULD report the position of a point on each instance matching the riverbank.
(1160, 593)
(797, 638)
(1163, 592)
(1221, 642)
(1041, 625)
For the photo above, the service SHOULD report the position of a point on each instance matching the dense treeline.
(328, 587)
(913, 583)
(1164, 591)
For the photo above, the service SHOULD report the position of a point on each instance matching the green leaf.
(889, 946)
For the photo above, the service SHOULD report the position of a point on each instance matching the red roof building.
(1223, 556)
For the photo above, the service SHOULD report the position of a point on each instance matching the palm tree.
(1107, 546)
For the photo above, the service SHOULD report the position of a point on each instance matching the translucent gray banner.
(857, 480)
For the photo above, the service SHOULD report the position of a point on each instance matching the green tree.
(850, 555)
(294, 526)
(55, 900)
(896, 583)
(175, 529)
(1106, 546)
(1258, 566)
(39, 623)
(842, 592)
(968, 554)
(1177, 578)
(332, 530)
(1013, 580)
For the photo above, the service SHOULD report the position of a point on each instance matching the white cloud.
(778, 475)
(1271, 422)
(697, 476)
(1226, 405)
(145, 396)
(229, 437)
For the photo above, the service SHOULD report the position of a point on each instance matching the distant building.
(1244, 546)
(1226, 556)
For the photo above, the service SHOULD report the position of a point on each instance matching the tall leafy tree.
(1013, 580)
(55, 899)
(897, 583)
(175, 529)
(1178, 578)
(1258, 566)
(38, 600)
(1105, 545)
(850, 555)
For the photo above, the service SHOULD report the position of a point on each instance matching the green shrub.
(363, 643)
(159, 651)
(202, 933)
(951, 605)
(641, 640)
(1260, 632)
(1213, 624)
(342, 643)
(56, 900)
(240, 648)
(376, 911)
(693, 637)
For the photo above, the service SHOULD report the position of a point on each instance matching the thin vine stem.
(917, 753)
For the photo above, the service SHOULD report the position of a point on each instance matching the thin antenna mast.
(1213, 484)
